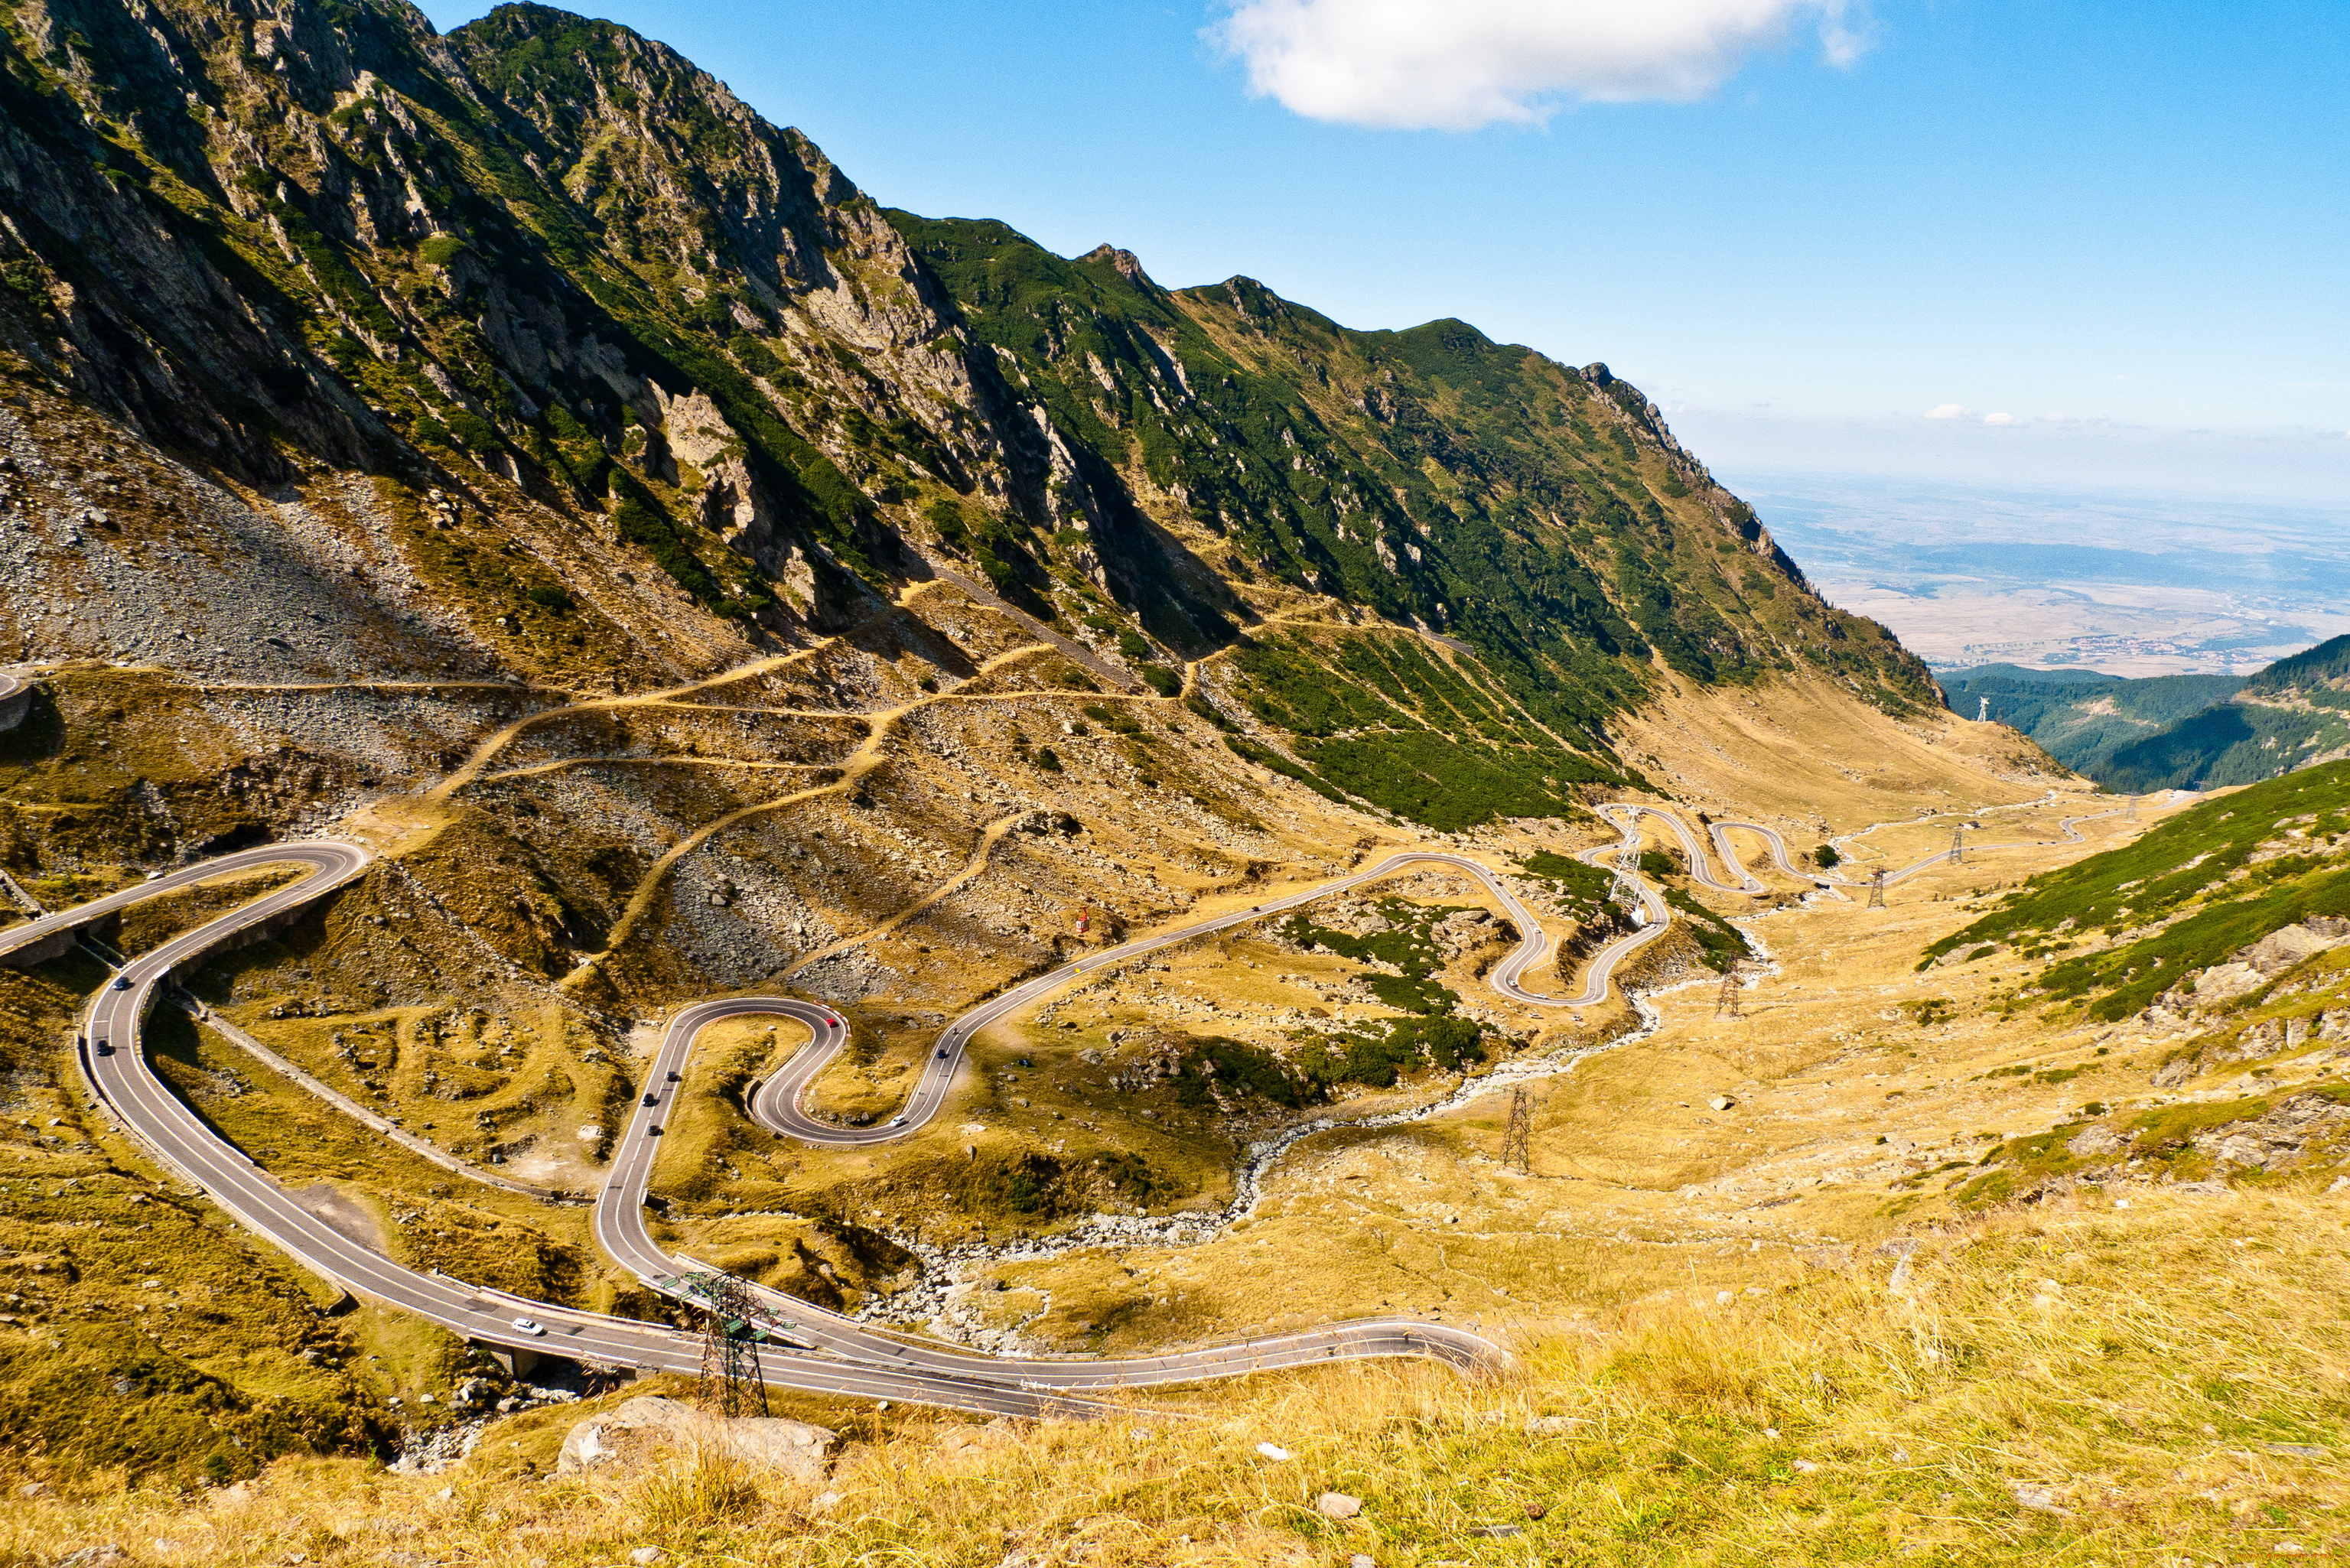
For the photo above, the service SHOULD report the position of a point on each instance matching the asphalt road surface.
(823, 1351)
(622, 1230)
(113, 1057)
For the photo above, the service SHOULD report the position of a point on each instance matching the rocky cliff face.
(547, 265)
(508, 449)
(517, 420)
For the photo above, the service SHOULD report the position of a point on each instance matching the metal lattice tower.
(1958, 843)
(2133, 808)
(1626, 890)
(1877, 889)
(1516, 1149)
(731, 1384)
(1727, 1002)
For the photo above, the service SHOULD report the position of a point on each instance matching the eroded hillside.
(507, 451)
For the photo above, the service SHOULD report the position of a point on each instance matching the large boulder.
(2283, 948)
(637, 1433)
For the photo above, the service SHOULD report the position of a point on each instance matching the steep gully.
(813, 1349)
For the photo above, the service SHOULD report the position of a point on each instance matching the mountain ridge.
(509, 451)
(549, 248)
(2174, 732)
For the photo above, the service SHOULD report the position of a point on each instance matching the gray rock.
(2096, 1140)
(640, 1431)
(1337, 1505)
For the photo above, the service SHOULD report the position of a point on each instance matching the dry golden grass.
(1639, 1184)
(2162, 1384)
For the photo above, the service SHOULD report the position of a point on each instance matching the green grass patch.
(2189, 861)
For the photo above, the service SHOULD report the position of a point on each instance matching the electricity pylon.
(1877, 889)
(1727, 1002)
(1516, 1150)
(1626, 890)
(731, 1384)
(1958, 843)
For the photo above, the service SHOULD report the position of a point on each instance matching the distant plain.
(2131, 584)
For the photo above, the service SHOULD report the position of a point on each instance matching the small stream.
(944, 1270)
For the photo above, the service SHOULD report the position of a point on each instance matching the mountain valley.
(657, 574)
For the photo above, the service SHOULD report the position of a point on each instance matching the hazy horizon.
(2129, 583)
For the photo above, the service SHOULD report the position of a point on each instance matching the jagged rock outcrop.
(545, 254)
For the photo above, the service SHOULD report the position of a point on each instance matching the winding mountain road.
(818, 1351)
(113, 1058)
(622, 1231)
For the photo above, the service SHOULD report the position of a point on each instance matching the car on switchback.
(122, 983)
(529, 1325)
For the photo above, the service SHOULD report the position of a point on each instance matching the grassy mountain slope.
(2080, 717)
(1543, 515)
(2172, 732)
(2222, 875)
(2040, 1386)
(507, 449)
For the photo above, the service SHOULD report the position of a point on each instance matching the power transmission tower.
(1877, 889)
(1958, 842)
(1516, 1149)
(731, 1384)
(1626, 890)
(1728, 1003)
(2133, 808)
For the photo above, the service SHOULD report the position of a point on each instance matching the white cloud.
(1457, 65)
(2001, 420)
(1949, 412)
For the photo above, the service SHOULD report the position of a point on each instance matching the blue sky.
(2125, 227)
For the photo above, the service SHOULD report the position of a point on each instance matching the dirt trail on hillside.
(498, 741)
(868, 757)
(992, 835)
